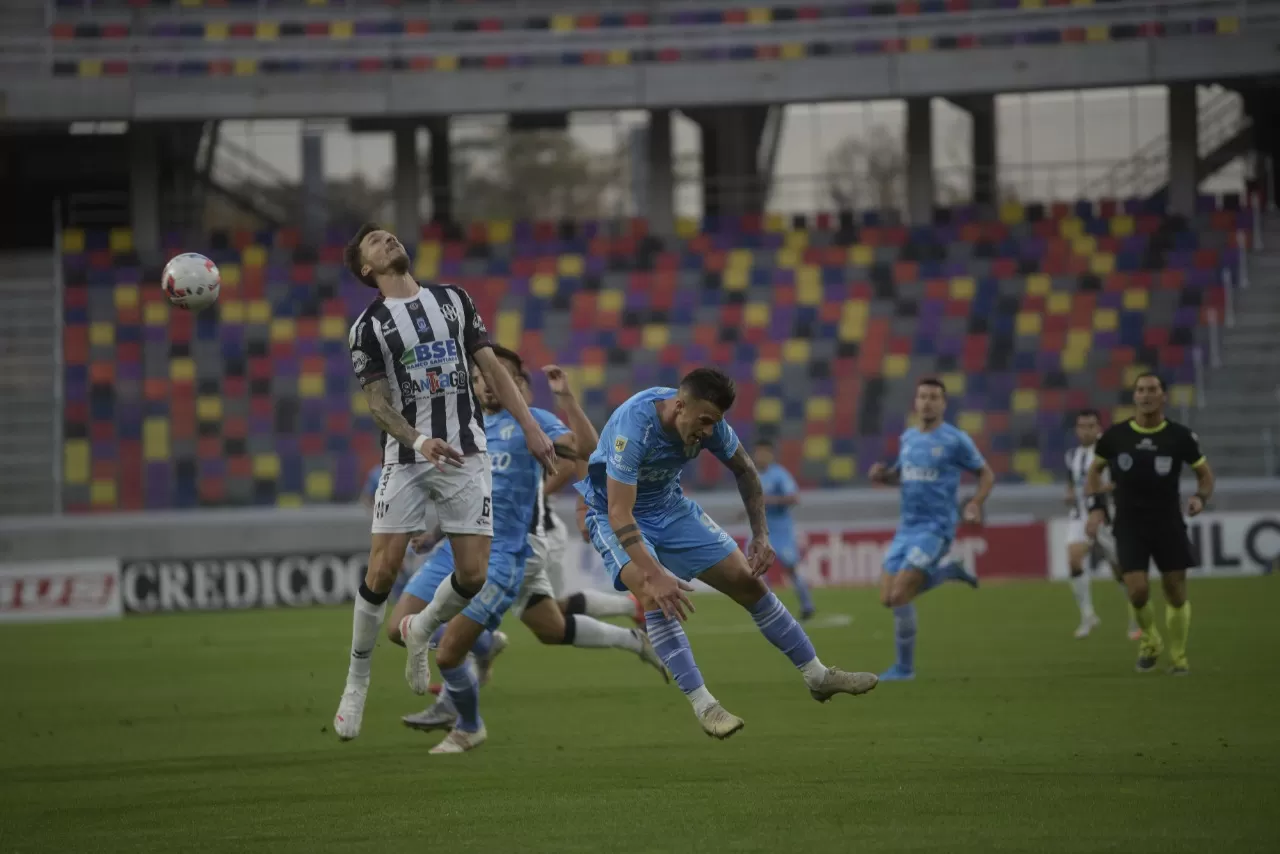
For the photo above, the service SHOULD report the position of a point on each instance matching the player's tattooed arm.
(385, 414)
(628, 535)
(751, 490)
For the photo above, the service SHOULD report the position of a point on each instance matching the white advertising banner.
(51, 590)
(1224, 544)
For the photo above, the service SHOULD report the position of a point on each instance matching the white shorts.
(463, 497)
(557, 544)
(537, 579)
(1106, 540)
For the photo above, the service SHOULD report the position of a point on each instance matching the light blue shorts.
(786, 550)
(506, 575)
(686, 541)
(916, 548)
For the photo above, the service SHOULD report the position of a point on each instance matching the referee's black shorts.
(1161, 538)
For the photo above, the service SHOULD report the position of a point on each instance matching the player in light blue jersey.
(931, 459)
(780, 495)
(514, 580)
(654, 539)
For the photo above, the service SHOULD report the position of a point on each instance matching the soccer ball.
(191, 281)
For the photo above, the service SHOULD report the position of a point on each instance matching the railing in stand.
(58, 367)
(1197, 364)
(1215, 339)
(1269, 453)
(1242, 253)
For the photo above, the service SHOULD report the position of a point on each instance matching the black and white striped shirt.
(423, 345)
(1078, 460)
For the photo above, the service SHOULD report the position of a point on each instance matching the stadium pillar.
(986, 179)
(919, 161)
(144, 189)
(660, 174)
(731, 139)
(407, 195)
(313, 190)
(1184, 148)
(440, 170)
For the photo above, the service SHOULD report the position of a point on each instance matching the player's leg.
(1172, 557)
(1105, 548)
(788, 556)
(1133, 550)
(553, 627)
(1078, 548)
(593, 603)
(667, 635)
(401, 503)
(899, 585)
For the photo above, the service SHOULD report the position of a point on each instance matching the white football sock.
(590, 633)
(446, 604)
(701, 699)
(1084, 598)
(365, 622)
(813, 671)
(601, 604)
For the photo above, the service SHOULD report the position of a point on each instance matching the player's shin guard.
(464, 691)
(672, 646)
(1178, 620)
(1146, 617)
(904, 633)
(366, 619)
(449, 600)
(781, 629)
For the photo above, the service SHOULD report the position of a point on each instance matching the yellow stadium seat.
(182, 370)
(570, 265)
(963, 288)
(1137, 299)
(333, 328)
(1025, 400)
(655, 336)
(818, 408)
(209, 407)
(1097, 33)
(774, 223)
(215, 31)
(919, 44)
(155, 439)
(289, 500)
(1121, 413)
(1132, 372)
(266, 466)
(971, 422)
(1182, 395)
(245, 67)
(230, 275)
(787, 258)
(955, 383)
(896, 365)
(1031, 4)
(1028, 323)
(687, 227)
(1081, 2)
(341, 29)
(1073, 361)
(230, 311)
(102, 334)
(1059, 302)
(793, 50)
(1040, 476)
(809, 285)
(91, 68)
(126, 296)
(619, 57)
(562, 23)
(768, 371)
(1039, 285)
(283, 329)
(610, 300)
(768, 410)
(102, 493)
(120, 240)
(510, 328)
(311, 385)
(817, 447)
(1071, 227)
(1026, 461)
(734, 278)
(1229, 25)
(1105, 319)
(72, 241)
(1011, 213)
(841, 467)
(1102, 264)
(427, 264)
(446, 62)
(1084, 245)
(1080, 339)
(796, 238)
(157, 313)
(319, 485)
(861, 255)
(592, 376)
(259, 311)
(75, 461)
(1121, 225)
(796, 351)
(254, 256)
(756, 314)
(500, 231)
(544, 285)
(759, 15)
(853, 321)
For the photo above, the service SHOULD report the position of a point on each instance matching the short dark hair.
(1153, 375)
(933, 381)
(712, 385)
(352, 257)
(509, 355)
(1089, 413)
(764, 442)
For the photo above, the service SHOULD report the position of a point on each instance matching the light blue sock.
(952, 570)
(781, 629)
(904, 630)
(464, 691)
(802, 591)
(481, 647)
(672, 646)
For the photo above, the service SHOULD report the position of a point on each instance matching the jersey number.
(485, 509)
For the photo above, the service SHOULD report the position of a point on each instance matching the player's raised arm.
(584, 436)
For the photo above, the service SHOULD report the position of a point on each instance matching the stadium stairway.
(28, 383)
(1240, 424)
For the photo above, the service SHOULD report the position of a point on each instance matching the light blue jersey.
(636, 449)
(930, 465)
(517, 477)
(778, 482)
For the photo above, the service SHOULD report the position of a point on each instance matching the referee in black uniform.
(1146, 454)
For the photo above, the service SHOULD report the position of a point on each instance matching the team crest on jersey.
(619, 444)
(1125, 462)
(421, 323)
(937, 450)
(506, 431)
(1164, 465)
(359, 360)
(450, 313)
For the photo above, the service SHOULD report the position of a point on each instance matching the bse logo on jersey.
(431, 354)
(919, 474)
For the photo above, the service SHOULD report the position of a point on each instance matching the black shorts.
(1140, 541)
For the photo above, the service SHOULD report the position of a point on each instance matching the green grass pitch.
(211, 732)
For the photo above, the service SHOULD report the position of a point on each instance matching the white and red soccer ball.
(191, 281)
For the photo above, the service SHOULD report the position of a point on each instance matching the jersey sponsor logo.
(922, 474)
(435, 384)
(655, 475)
(619, 444)
(388, 326)
(359, 360)
(620, 463)
(1146, 444)
(500, 461)
(1125, 462)
(431, 354)
(1164, 465)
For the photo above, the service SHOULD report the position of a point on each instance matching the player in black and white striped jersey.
(412, 350)
(1080, 546)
